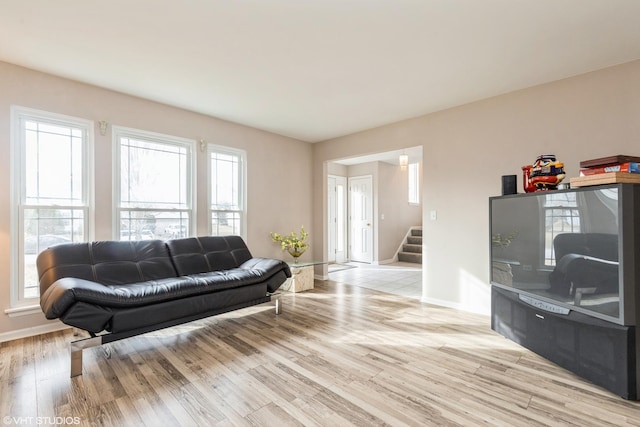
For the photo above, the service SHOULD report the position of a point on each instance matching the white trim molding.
(52, 326)
(24, 310)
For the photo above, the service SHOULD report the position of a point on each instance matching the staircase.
(412, 247)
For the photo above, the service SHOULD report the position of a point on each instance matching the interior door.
(361, 218)
(336, 218)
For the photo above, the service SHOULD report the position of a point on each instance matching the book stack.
(608, 170)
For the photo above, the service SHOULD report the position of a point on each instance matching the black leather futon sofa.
(118, 289)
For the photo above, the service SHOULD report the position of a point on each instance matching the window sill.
(23, 311)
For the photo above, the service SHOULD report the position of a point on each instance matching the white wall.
(279, 178)
(467, 149)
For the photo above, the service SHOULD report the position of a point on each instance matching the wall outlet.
(527, 267)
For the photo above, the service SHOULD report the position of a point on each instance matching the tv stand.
(599, 351)
(570, 288)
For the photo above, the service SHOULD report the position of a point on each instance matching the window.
(561, 216)
(227, 207)
(154, 176)
(52, 191)
(414, 183)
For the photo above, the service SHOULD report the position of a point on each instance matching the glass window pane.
(225, 223)
(45, 227)
(147, 225)
(414, 183)
(153, 175)
(225, 181)
(53, 167)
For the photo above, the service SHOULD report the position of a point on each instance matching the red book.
(629, 167)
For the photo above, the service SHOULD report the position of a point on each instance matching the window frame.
(242, 186)
(18, 116)
(119, 132)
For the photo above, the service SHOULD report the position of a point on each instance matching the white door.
(361, 218)
(336, 218)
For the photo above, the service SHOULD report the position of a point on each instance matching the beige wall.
(467, 149)
(279, 181)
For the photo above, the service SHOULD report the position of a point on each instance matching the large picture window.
(226, 191)
(52, 190)
(153, 185)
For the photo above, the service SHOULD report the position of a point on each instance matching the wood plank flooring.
(338, 355)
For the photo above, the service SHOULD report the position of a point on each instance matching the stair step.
(407, 247)
(416, 232)
(410, 257)
(414, 240)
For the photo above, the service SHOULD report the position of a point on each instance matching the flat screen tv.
(567, 250)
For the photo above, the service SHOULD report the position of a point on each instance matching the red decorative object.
(526, 181)
(545, 174)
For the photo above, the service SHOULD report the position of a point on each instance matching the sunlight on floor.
(402, 278)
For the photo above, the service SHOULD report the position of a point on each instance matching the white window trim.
(17, 184)
(119, 132)
(211, 148)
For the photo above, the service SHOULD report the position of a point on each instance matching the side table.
(301, 276)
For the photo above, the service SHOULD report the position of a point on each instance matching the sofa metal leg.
(278, 304)
(76, 353)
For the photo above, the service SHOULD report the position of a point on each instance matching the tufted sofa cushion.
(194, 255)
(107, 262)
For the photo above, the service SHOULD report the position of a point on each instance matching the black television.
(569, 250)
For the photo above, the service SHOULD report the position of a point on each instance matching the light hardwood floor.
(338, 355)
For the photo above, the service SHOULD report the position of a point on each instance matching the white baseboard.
(455, 305)
(320, 277)
(36, 330)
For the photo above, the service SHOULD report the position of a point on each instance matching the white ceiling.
(318, 69)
